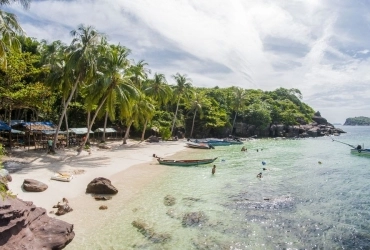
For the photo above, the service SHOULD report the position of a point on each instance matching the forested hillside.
(358, 121)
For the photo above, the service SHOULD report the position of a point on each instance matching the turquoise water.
(297, 204)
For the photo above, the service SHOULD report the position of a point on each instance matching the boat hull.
(361, 151)
(198, 145)
(185, 162)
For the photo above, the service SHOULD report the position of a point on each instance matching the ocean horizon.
(313, 195)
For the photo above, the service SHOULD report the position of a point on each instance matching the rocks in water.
(63, 207)
(149, 232)
(102, 198)
(31, 185)
(169, 200)
(25, 226)
(101, 185)
(194, 219)
(102, 207)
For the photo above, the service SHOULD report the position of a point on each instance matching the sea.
(314, 194)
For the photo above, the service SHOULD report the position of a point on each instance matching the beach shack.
(110, 134)
(76, 135)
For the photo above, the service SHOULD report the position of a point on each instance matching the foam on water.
(297, 204)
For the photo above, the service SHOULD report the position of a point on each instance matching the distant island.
(337, 123)
(358, 121)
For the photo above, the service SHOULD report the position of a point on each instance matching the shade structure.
(79, 131)
(107, 130)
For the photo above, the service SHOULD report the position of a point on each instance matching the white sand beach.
(129, 167)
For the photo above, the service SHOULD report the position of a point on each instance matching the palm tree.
(239, 97)
(112, 85)
(158, 89)
(139, 73)
(81, 64)
(9, 29)
(182, 88)
(196, 105)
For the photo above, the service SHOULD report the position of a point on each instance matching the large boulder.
(31, 185)
(101, 185)
(25, 226)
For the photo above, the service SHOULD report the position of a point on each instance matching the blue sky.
(321, 47)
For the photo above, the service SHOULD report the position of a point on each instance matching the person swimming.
(259, 175)
(214, 169)
(243, 149)
(264, 168)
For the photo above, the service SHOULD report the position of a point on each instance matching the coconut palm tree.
(24, 3)
(139, 73)
(183, 88)
(239, 98)
(196, 105)
(112, 85)
(158, 89)
(81, 63)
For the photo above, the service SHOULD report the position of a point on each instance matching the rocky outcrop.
(25, 226)
(31, 185)
(319, 127)
(101, 185)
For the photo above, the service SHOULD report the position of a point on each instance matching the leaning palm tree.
(183, 88)
(81, 64)
(158, 89)
(239, 97)
(112, 86)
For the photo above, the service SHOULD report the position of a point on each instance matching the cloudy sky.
(321, 47)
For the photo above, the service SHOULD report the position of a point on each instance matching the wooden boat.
(185, 162)
(62, 177)
(198, 145)
(365, 151)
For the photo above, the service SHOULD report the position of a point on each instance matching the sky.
(321, 47)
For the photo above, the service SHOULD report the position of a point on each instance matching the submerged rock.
(149, 232)
(169, 200)
(194, 219)
(25, 226)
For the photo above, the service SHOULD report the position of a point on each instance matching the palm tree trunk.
(192, 127)
(234, 122)
(92, 121)
(10, 132)
(174, 118)
(143, 134)
(64, 112)
(105, 125)
(66, 121)
(127, 133)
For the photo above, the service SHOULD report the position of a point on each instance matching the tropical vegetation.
(93, 83)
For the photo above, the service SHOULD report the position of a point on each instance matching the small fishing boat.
(62, 177)
(185, 162)
(198, 145)
(364, 151)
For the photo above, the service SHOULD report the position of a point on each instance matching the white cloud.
(309, 45)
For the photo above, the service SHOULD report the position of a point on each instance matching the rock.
(102, 198)
(102, 207)
(63, 207)
(101, 185)
(194, 219)
(31, 185)
(169, 200)
(149, 233)
(104, 146)
(153, 138)
(25, 226)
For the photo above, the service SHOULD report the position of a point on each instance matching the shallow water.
(297, 204)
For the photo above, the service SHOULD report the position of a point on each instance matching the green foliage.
(258, 114)
(358, 121)
(165, 133)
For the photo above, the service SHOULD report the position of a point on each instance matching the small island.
(358, 121)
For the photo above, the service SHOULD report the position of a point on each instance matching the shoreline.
(130, 167)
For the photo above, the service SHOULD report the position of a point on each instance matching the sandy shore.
(130, 166)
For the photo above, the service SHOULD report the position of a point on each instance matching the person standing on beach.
(214, 169)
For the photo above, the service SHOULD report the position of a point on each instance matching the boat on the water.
(200, 145)
(364, 151)
(185, 162)
(218, 142)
